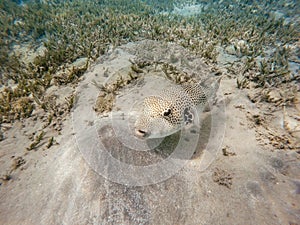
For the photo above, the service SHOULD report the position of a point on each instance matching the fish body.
(171, 109)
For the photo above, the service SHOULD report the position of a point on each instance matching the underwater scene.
(150, 112)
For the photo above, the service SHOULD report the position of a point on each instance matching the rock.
(40, 51)
(291, 122)
(230, 50)
(6, 126)
(81, 62)
(273, 96)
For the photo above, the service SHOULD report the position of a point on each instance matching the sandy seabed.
(242, 169)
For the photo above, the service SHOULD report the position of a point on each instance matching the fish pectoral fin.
(188, 116)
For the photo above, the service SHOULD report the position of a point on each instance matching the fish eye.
(167, 112)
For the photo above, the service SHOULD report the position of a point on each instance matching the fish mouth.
(140, 133)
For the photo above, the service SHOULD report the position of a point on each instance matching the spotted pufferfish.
(170, 110)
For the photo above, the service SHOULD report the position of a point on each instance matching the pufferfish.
(170, 110)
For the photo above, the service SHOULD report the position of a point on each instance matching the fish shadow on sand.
(186, 144)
